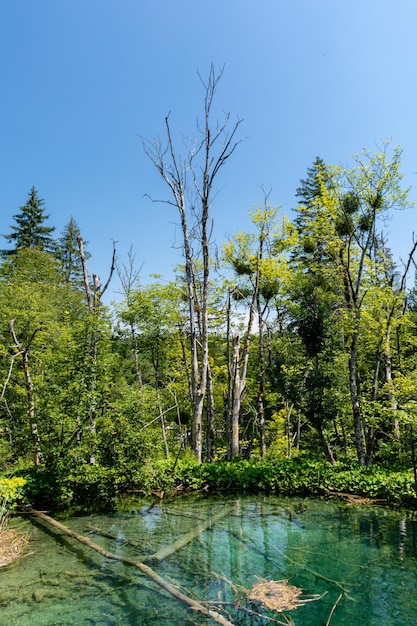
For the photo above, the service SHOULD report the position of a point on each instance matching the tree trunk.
(388, 378)
(237, 393)
(210, 416)
(230, 378)
(261, 391)
(325, 444)
(175, 174)
(288, 429)
(145, 569)
(93, 294)
(31, 411)
(30, 390)
(355, 400)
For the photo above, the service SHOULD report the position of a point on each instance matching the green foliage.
(11, 490)
(46, 489)
(328, 312)
(11, 495)
(30, 231)
(94, 486)
(300, 476)
(86, 487)
(67, 251)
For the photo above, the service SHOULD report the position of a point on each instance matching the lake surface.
(361, 561)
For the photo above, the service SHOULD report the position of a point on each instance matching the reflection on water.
(366, 555)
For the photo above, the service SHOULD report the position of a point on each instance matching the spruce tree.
(69, 255)
(30, 231)
(310, 187)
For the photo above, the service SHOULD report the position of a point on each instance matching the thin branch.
(89, 295)
(112, 268)
(334, 608)
(9, 373)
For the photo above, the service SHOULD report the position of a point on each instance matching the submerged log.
(173, 547)
(182, 541)
(176, 593)
(353, 498)
(105, 533)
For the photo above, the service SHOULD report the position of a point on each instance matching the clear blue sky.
(82, 80)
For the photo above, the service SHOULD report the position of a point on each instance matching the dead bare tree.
(202, 165)
(129, 280)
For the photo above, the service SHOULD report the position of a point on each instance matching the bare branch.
(9, 373)
(112, 268)
(89, 295)
(129, 277)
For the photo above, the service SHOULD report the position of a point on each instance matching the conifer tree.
(69, 255)
(30, 231)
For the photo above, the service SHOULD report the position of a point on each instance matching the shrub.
(11, 489)
(301, 477)
(11, 493)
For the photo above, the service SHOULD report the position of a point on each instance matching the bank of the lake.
(99, 488)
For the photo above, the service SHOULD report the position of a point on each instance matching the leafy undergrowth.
(12, 543)
(101, 489)
(300, 477)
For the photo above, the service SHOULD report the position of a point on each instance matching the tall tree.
(259, 262)
(30, 230)
(94, 292)
(193, 201)
(370, 190)
(338, 243)
(315, 290)
(152, 310)
(69, 255)
(37, 316)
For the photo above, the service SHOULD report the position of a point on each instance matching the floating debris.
(12, 545)
(278, 595)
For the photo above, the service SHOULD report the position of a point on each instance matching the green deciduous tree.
(259, 263)
(37, 315)
(152, 315)
(370, 191)
(340, 252)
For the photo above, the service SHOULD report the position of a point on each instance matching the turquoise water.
(366, 556)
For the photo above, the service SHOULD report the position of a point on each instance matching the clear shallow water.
(367, 554)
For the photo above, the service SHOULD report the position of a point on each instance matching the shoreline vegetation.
(99, 488)
(12, 542)
(103, 492)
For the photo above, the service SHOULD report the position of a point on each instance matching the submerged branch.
(144, 568)
(193, 534)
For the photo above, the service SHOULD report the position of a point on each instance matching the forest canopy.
(297, 340)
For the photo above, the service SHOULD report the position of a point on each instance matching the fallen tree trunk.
(173, 547)
(353, 498)
(148, 571)
(182, 541)
(105, 533)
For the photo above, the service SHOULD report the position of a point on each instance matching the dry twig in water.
(279, 595)
(333, 608)
(12, 545)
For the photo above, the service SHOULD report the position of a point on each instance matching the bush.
(299, 477)
(45, 488)
(11, 490)
(11, 493)
(97, 487)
